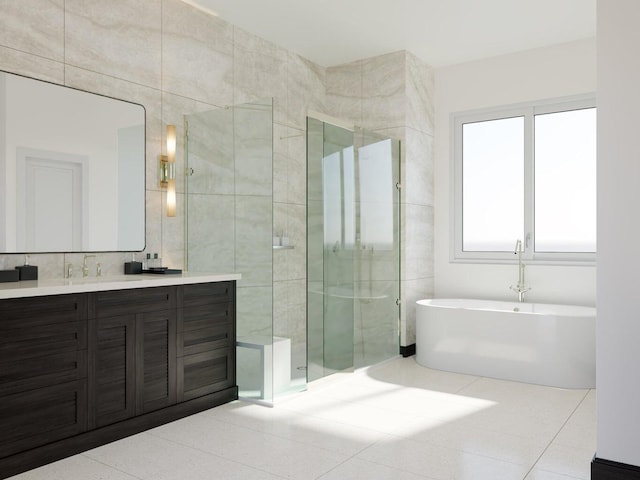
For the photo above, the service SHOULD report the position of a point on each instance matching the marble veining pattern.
(344, 92)
(18, 27)
(211, 156)
(418, 225)
(209, 219)
(383, 91)
(197, 54)
(253, 249)
(129, 38)
(254, 311)
(259, 70)
(30, 65)
(420, 95)
(418, 178)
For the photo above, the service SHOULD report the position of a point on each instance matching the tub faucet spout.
(520, 288)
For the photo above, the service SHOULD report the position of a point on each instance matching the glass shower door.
(353, 248)
(229, 199)
(377, 259)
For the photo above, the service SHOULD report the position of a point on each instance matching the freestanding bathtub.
(527, 342)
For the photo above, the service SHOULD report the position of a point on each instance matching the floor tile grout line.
(397, 469)
(476, 379)
(284, 437)
(215, 455)
(85, 455)
(558, 432)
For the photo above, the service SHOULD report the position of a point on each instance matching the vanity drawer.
(137, 300)
(207, 293)
(37, 372)
(38, 311)
(18, 344)
(202, 316)
(205, 373)
(205, 339)
(41, 416)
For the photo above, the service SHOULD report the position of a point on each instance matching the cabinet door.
(206, 327)
(43, 415)
(206, 339)
(155, 360)
(205, 373)
(112, 369)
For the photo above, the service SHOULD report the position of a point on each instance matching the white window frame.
(528, 111)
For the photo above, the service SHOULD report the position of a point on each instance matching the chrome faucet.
(85, 268)
(520, 288)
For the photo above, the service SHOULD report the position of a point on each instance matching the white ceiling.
(441, 32)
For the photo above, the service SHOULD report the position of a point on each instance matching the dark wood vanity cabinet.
(78, 371)
(132, 335)
(206, 332)
(43, 371)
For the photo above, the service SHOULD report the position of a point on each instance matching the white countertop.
(60, 286)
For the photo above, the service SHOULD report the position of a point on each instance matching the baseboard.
(602, 469)
(408, 350)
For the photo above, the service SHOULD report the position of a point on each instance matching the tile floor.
(396, 421)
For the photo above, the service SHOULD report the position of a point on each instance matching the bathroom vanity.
(86, 363)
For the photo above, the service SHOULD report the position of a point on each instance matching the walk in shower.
(353, 248)
(229, 224)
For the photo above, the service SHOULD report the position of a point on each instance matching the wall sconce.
(168, 171)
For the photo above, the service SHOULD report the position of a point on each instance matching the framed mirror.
(72, 169)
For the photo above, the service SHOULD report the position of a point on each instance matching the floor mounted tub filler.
(544, 344)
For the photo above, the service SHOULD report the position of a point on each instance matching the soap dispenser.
(132, 267)
(26, 271)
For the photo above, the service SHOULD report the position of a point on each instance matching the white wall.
(550, 72)
(618, 324)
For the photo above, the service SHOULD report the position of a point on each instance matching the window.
(527, 173)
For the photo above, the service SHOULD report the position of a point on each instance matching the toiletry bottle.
(146, 261)
(157, 262)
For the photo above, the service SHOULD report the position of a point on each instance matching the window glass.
(492, 184)
(565, 181)
(526, 172)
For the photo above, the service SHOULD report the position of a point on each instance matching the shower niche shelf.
(283, 247)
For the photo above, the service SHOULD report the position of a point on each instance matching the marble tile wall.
(417, 190)
(393, 95)
(177, 60)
